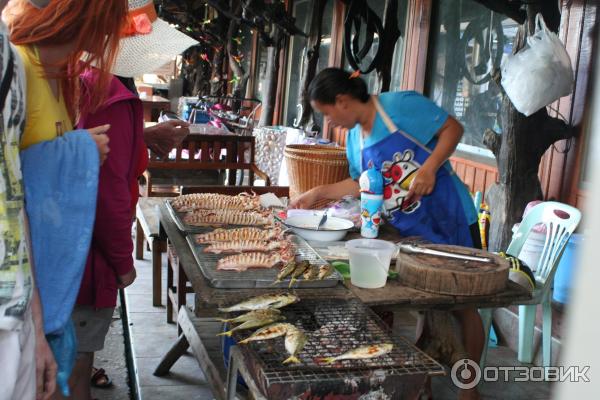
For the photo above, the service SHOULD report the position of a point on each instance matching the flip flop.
(100, 379)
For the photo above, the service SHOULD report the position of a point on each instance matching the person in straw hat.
(146, 44)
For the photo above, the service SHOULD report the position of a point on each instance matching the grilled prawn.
(241, 262)
(230, 235)
(228, 217)
(241, 246)
(214, 201)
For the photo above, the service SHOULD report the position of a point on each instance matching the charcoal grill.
(334, 327)
(258, 277)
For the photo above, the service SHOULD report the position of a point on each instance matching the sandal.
(100, 379)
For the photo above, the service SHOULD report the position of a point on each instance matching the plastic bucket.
(566, 267)
(370, 261)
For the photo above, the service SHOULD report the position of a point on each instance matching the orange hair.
(92, 27)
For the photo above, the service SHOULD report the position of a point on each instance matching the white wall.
(581, 345)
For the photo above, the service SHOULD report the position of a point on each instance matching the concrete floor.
(152, 337)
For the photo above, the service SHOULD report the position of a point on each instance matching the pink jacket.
(111, 249)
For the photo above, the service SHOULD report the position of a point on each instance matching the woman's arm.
(112, 228)
(448, 138)
(334, 191)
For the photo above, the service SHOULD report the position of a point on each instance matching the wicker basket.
(313, 165)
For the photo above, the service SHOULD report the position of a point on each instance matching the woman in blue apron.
(409, 139)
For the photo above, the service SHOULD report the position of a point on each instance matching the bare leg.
(81, 377)
(473, 338)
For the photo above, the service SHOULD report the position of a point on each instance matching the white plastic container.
(532, 248)
(370, 262)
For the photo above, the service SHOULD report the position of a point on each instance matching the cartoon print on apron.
(438, 217)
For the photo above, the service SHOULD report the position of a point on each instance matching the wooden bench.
(203, 164)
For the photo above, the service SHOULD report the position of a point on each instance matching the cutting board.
(452, 276)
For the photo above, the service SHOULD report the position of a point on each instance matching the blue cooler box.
(566, 269)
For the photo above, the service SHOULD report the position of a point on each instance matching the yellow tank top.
(46, 117)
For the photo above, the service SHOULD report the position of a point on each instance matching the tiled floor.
(152, 337)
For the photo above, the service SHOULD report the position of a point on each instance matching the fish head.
(286, 299)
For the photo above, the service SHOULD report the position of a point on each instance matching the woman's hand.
(99, 135)
(305, 200)
(127, 279)
(165, 136)
(422, 185)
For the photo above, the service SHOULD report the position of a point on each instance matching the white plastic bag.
(539, 74)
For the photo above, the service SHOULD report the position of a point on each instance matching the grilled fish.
(252, 315)
(214, 201)
(310, 273)
(253, 323)
(295, 340)
(269, 332)
(325, 271)
(300, 268)
(262, 302)
(247, 233)
(285, 271)
(243, 261)
(228, 217)
(361, 353)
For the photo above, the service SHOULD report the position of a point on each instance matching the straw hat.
(148, 42)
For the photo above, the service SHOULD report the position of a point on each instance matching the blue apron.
(438, 217)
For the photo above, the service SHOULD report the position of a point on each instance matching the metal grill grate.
(332, 328)
(257, 277)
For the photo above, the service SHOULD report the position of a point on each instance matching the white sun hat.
(148, 42)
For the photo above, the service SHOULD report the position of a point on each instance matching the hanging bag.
(539, 74)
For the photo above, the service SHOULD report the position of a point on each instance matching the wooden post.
(521, 145)
(241, 76)
(270, 83)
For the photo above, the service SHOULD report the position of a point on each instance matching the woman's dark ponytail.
(331, 82)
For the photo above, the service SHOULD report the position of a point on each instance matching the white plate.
(306, 226)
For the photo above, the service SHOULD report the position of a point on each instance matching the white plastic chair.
(560, 221)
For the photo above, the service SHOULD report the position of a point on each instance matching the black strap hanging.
(359, 11)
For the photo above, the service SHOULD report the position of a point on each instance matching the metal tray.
(182, 226)
(178, 218)
(257, 277)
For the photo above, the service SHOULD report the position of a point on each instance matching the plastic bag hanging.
(539, 74)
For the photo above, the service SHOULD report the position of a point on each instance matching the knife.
(411, 249)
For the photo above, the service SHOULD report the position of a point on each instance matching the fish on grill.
(254, 314)
(264, 301)
(299, 270)
(214, 201)
(246, 233)
(240, 246)
(285, 271)
(252, 323)
(228, 217)
(361, 353)
(269, 332)
(310, 273)
(325, 271)
(243, 261)
(295, 340)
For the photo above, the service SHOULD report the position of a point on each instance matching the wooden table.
(154, 103)
(147, 227)
(393, 296)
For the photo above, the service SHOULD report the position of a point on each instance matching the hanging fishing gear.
(358, 13)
